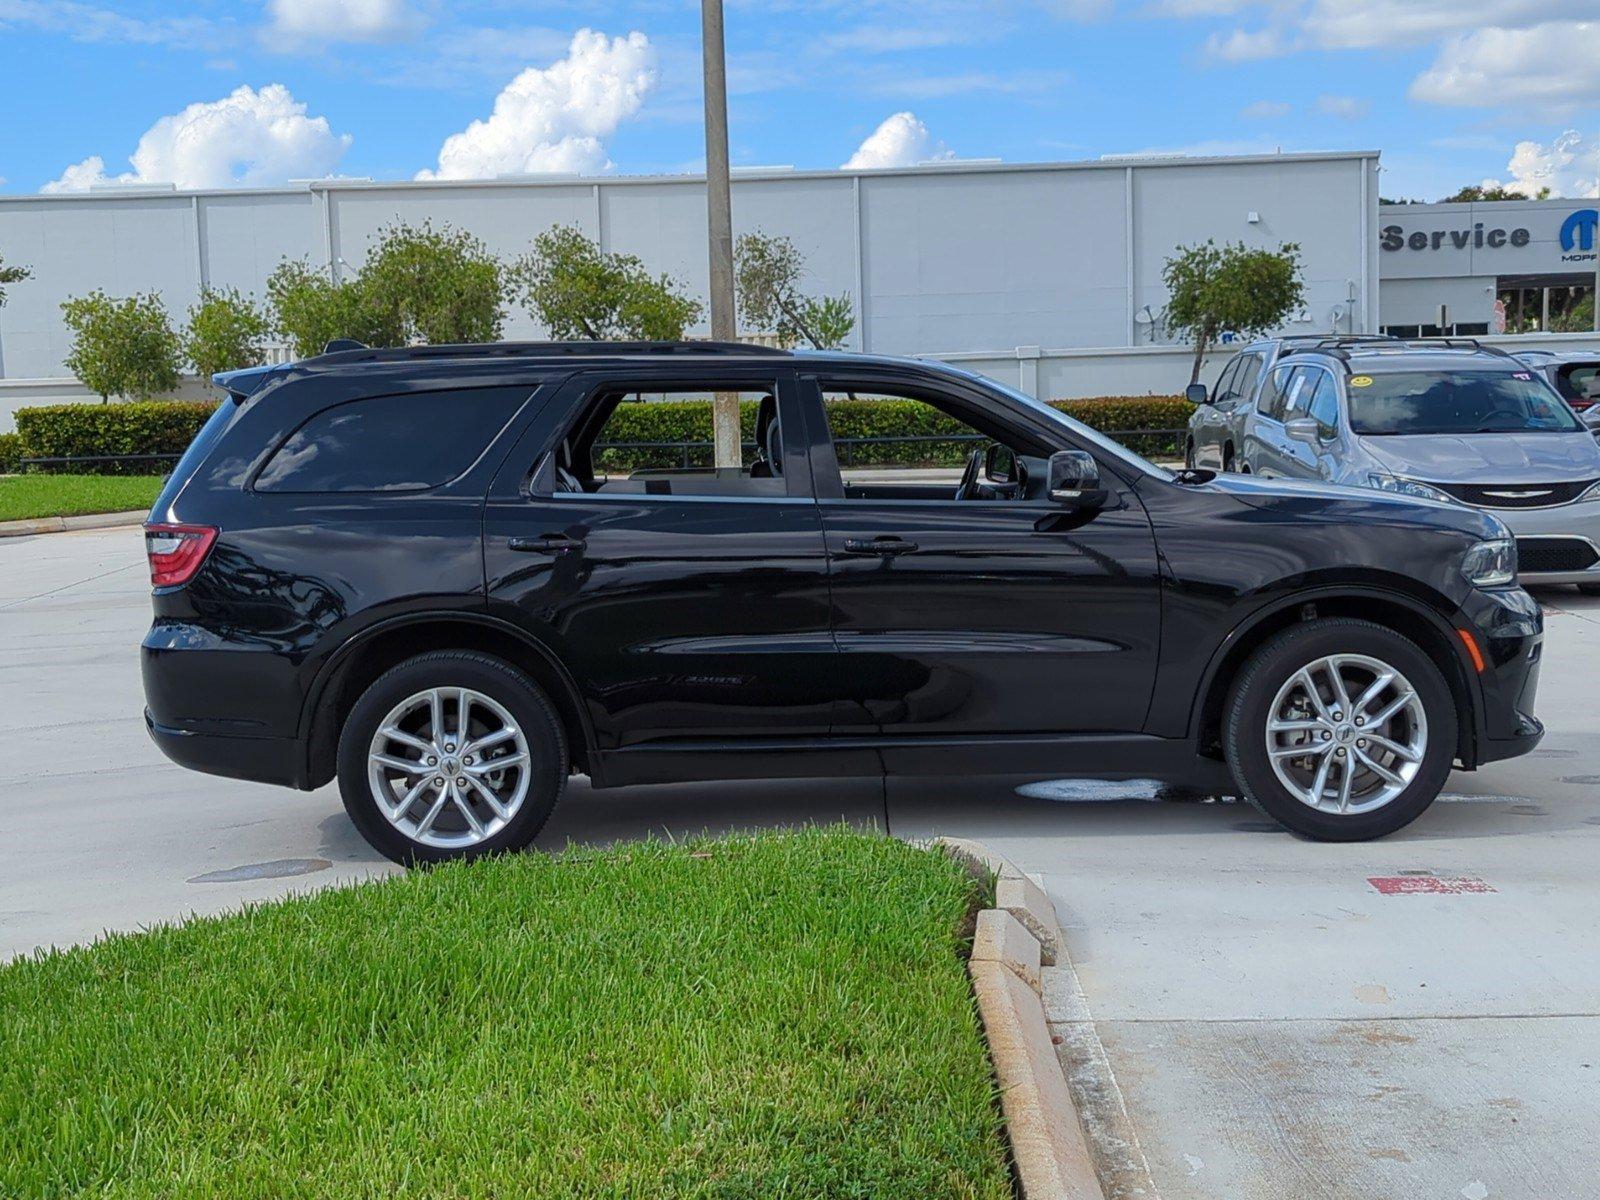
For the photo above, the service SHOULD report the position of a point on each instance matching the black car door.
(980, 616)
(689, 605)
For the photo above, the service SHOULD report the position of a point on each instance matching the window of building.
(404, 443)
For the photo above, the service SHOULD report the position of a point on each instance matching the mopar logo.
(1577, 231)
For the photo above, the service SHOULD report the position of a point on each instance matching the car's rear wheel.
(1340, 730)
(1188, 453)
(450, 755)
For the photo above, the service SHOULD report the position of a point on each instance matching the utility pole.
(719, 224)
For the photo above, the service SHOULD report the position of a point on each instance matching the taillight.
(176, 551)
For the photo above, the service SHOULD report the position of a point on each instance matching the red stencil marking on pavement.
(1430, 885)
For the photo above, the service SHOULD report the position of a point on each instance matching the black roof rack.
(1338, 339)
(1456, 343)
(541, 350)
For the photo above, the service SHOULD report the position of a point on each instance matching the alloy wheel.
(449, 767)
(1346, 734)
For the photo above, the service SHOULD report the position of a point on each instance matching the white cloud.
(1375, 24)
(88, 23)
(901, 141)
(1195, 8)
(341, 20)
(1247, 45)
(552, 119)
(1348, 107)
(249, 138)
(1264, 110)
(1569, 165)
(1550, 67)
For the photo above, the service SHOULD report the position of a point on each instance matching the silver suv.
(1454, 423)
(1214, 430)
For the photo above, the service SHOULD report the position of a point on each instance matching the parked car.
(1452, 422)
(1575, 374)
(1216, 428)
(431, 574)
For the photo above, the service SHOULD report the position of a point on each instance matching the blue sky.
(202, 92)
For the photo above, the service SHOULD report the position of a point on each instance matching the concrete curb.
(39, 525)
(1011, 945)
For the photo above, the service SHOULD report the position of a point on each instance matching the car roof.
(488, 358)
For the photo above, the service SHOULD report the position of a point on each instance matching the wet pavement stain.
(1258, 827)
(279, 868)
(1527, 810)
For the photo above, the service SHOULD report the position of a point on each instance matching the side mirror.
(1196, 394)
(1303, 429)
(1075, 479)
(1000, 464)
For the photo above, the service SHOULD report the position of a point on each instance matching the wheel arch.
(352, 669)
(1391, 609)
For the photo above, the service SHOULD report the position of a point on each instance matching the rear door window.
(1244, 384)
(1579, 381)
(1276, 392)
(403, 443)
(1224, 389)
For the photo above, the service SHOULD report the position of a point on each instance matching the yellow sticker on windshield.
(1361, 381)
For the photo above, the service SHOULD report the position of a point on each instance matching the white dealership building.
(1047, 275)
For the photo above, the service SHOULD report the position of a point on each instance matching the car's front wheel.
(1340, 729)
(451, 754)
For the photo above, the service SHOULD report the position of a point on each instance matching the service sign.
(1516, 238)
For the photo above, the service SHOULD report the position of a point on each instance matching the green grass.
(24, 496)
(786, 1016)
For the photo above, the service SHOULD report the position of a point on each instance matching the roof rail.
(542, 350)
(1456, 343)
(1339, 339)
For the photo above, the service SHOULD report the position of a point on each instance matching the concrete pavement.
(102, 832)
(1265, 1020)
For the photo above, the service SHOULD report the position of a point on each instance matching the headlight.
(1409, 487)
(1492, 563)
(1592, 493)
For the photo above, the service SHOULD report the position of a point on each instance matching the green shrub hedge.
(168, 426)
(10, 452)
(138, 427)
(859, 424)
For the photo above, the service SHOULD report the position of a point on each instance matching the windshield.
(1137, 461)
(1420, 402)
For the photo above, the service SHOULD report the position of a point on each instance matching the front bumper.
(1549, 528)
(1508, 626)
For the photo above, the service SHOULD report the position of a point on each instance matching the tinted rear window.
(216, 424)
(403, 443)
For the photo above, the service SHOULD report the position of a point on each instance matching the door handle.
(546, 543)
(886, 546)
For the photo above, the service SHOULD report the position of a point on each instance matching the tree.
(578, 290)
(122, 347)
(435, 286)
(1214, 289)
(10, 275)
(769, 270)
(226, 331)
(309, 310)
(1491, 191)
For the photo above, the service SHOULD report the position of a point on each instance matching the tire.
(1188, 454)
(498, 699)
(1425, 726)
(1227, 461)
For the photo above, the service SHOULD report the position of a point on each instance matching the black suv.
(453, 575)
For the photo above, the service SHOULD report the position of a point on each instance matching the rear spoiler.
(245, 382)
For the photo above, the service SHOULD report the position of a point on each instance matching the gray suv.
(1213, 437)
(1453, 423)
